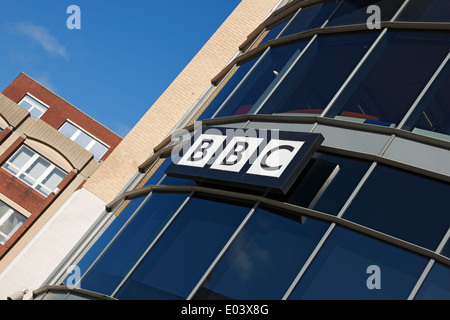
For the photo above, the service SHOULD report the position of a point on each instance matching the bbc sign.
(267, 160)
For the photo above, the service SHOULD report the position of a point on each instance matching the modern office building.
(317, 166)
(48, 150)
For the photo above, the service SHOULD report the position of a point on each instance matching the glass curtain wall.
(223, 248)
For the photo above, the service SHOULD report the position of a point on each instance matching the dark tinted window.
(392, 78)
(404, 205)
(311, 17)
(109, 234)
(426, 11)
(355, 11)
(326, 183)
(317, 76)
(269, 69)
(351, 266)
(131, 243)
(432, 114)
(274, 31)
(182, 255)
(227, 89)
(437, 284)
(264, 259)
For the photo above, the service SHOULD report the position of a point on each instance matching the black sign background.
(311, 142)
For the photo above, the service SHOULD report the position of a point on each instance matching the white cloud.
(43, 37)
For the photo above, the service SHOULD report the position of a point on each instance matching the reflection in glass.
(181, 256)
(446, 250)
(274, 31)
(426, 11)
(264, 259)
(391, 78)
(355, 11)
(436, 285)
(228, 88)
(105, 238)
(131, 243)
(340, 271)
(344, 183)
(270, 68)
(404, 205)
(311, 17)
(317, 76)
(432, 115)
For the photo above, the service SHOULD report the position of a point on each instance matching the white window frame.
(27, 165)
(5, 217)
(32, 100)
(79, 131)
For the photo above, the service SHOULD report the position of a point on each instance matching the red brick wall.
(28, 198)
(60, 110)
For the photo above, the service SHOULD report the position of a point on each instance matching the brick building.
(48, 150)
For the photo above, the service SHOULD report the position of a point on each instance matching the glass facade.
(354, 225)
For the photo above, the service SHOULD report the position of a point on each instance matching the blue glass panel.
(355, 11)
(404, 205)
(311, 17)
(426, 11)
(108, 234)
(393, 76)
(432, 115)
(158, 174)
(318, 75)
(274, 31)
(228, 88)
(342, 270)
(182, 255)
(131, 243)
(326, 183)
(264, 259)
(350, 173)
(437, 284)
(446, 250)
(269, 69)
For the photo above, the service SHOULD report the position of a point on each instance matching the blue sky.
(121, 60)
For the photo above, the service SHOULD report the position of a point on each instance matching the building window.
(404, 205)
(32, 105)
(189, 245)
(10, 221)
(34, 170)
(426, 11)
(84, 139)
(339, 271)
(264, 259)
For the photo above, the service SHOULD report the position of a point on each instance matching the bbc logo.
(258, 159)
(270, 160)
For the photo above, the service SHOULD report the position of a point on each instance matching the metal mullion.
(241, 82)
(428, 268)
(357, 189)
(118, 233)
(425, 90)
(160, 234)
(354, 73)
(222, 252)
(308, 262)
(400, 10)
(332, 14)
(328, 232)
(266, 95)
(289, 23)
